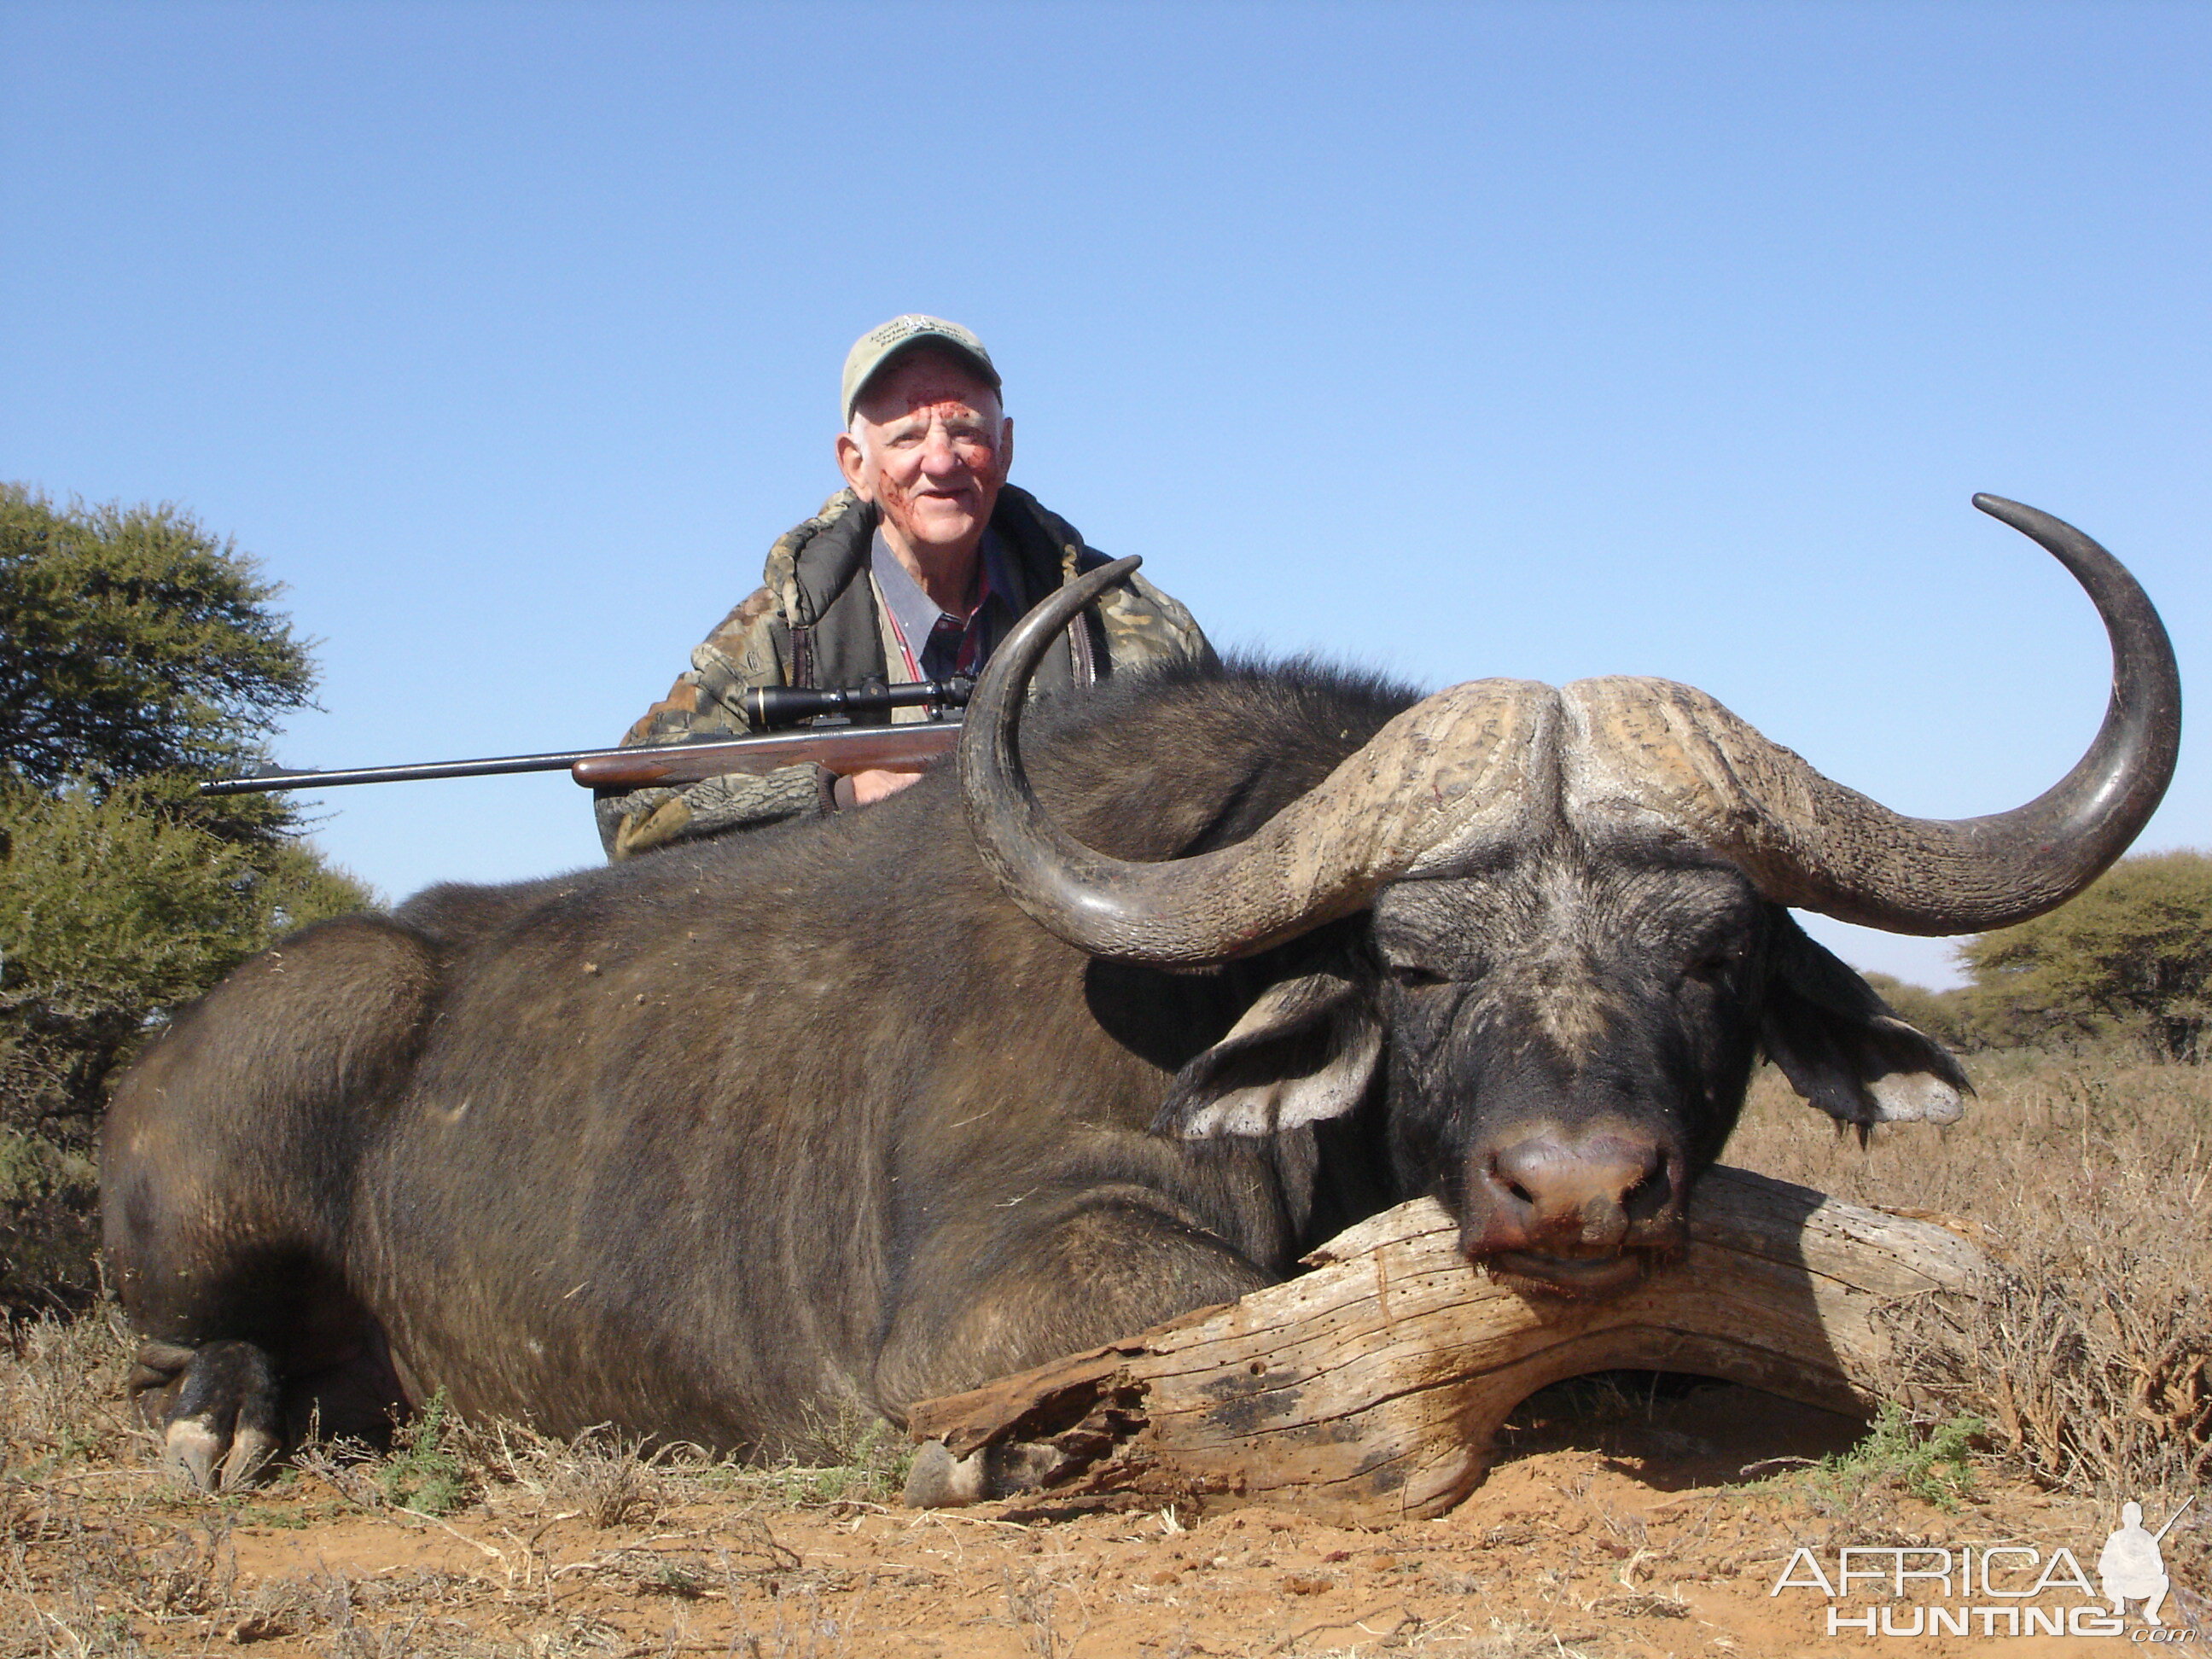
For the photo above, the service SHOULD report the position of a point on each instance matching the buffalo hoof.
(218, 1412)
(939, 1480)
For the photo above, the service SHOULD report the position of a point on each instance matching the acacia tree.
(137, 655)
(2132, 956)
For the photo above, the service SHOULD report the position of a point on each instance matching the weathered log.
(1371, 1388)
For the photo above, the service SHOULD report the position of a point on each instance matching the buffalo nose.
(1573, 1196)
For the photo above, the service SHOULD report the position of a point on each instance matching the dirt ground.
(1620, 1520)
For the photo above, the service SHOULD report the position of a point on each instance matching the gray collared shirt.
(916, 616)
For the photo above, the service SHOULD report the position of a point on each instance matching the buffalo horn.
(1673, 757)
(1449, 771)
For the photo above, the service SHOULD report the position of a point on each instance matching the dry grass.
(2087, 1177)
(101, 1554)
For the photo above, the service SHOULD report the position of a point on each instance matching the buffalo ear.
(1305, 1050)
(1844, 1050)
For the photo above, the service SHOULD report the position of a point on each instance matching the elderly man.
(915, 570)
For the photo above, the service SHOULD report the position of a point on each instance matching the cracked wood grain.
(1371, 1388)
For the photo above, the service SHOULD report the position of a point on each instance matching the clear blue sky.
(1542, 340)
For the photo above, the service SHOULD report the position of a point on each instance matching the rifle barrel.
(840, 748)
(493, 767)
(2160, 1534)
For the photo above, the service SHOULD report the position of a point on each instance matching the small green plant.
(674, 1578)
(423, 1473)
(862, 1458)
(1928, 1461)
(865, 1463)
(854, 1457)
(245, 1512)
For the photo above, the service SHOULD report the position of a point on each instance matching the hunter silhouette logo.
(1994, 1589)
(2130, 1568)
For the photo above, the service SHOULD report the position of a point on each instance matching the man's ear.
(1842, 1048)
(1304, 1051)
(853, 463)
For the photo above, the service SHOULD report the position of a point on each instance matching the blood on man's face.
(931, 452)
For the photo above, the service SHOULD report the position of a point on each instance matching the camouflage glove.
(644, 820)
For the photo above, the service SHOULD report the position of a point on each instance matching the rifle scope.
(769, 707)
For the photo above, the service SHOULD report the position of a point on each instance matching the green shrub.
(137, 655)
(422, 1472)
(1930, 1460)
(2130, 957)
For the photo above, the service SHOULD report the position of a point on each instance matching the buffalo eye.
(1413, 976)
(1717, 963)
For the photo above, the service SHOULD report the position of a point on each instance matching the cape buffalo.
(879, 1106)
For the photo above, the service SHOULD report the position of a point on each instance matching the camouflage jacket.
(818, 620)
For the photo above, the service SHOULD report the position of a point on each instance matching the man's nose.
(940, 453)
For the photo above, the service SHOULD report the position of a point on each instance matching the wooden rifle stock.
(843, 750)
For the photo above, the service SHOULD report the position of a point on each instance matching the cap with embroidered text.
(874, 350)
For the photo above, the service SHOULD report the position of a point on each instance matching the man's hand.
(866, 788)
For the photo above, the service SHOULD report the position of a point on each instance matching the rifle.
(843, 749)
(2160, 1534)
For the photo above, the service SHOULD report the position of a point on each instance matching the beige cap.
(875, 348)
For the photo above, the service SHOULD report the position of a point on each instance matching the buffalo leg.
(227, 1160)
(1105, 1264)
